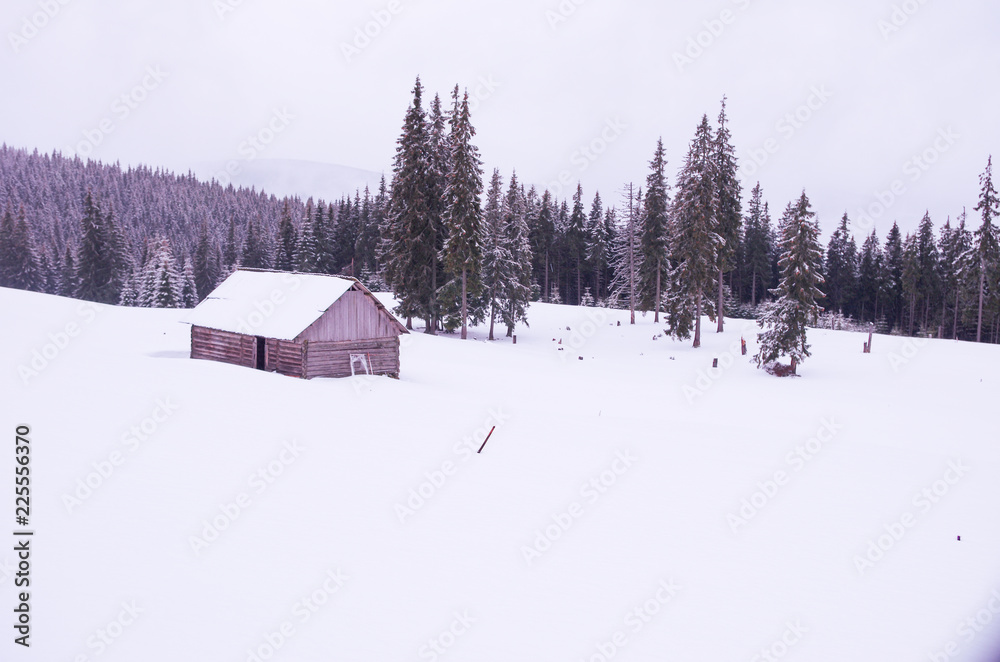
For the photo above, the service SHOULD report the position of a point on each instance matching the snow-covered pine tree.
(694, 242)
(287, 240)
(757, 234)
(463, 216)
(542, 236)
(654, 268)
(67, 279)
(911, 277)
(730, 216)
(785, 320)
(206, 270)
(625, 253)
(956, 249)
(308, 250)
(410, 241)
(870, 278)
(20, 265)
(163, 284)
(986, 242)
(598, 245)
(840, 272)
(892, 277)
(255, 253)
(230, 250)
(929, 271)
(96, 261)
(516, 282)
(576, 240)
(495, 255)
(189, 290)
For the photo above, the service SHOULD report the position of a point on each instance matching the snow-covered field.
(634, 505)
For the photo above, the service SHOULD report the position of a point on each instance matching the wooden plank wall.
(352, 317)
(333, 359)
(223, 346)
(285, 357)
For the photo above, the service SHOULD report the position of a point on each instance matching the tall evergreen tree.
(495, 255)
(542, 236)
(694, 240)
(987, 243)
(410, 241)
(784, 321)
(516, 283)
(576, 241)
(841, 267)
(757, 235)
(462, 218)
(728, 190)
(599, 228)
(626, 257)
(287, 240)
(654, 269)
(892, 277)
(870, 277)
(95, 261)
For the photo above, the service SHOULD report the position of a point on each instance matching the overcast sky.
(873, 84)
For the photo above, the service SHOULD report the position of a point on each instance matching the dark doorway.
(261, 349)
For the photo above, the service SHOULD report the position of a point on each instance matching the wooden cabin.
(301, 325)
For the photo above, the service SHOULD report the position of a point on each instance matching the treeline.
(457, 249)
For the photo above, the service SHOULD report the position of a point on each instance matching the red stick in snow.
(486, 439)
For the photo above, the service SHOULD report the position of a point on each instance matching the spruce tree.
(986, 240)
(840, 273)
(495, 255)
(516, 281)
(654, 269)
(203, 262)
(870, 277)
(542, 236)
(576, 240)
(462, 217)
(757, 245)
(728, 191)
(95, 262)
(694, 242)
(287, 240)
(410, 241)
(599, 228)
(625, 254)
(785, 320)
(892, 278)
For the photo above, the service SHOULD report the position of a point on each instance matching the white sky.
(557, 87)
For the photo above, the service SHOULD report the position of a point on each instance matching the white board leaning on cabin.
(301, 325)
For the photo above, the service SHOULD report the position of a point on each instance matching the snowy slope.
(263, 517)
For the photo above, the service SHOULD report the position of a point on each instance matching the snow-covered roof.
(268, 303)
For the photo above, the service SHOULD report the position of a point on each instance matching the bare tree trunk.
(722, 304)
(493, 309)
(697, 324)
(753, 291)
(465, 308)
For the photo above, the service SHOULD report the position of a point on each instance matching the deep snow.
(605, 518)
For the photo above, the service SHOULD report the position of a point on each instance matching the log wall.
(223, 346)
(285, 357)
(333, 359)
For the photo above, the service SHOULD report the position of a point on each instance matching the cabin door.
(261, 353)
